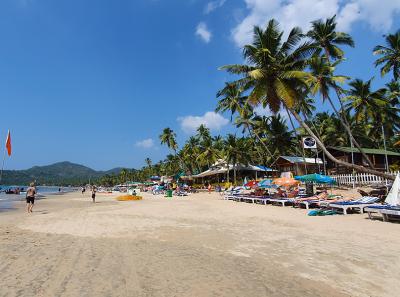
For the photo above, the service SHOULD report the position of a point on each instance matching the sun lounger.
(359, 204)
(308, 203)
(255, 199)
(388, 212)
(283, 201)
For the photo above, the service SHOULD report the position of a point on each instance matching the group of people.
(31, 195)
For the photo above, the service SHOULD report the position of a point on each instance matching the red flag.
(8, 143)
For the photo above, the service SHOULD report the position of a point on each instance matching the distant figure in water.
(94, 194)
(30, 197)
(59, 189)
(83, 190)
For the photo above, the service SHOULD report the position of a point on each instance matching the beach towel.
(321, 212)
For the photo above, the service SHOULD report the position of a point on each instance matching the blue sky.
(96, 81)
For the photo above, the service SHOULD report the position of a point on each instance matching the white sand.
(193, 246)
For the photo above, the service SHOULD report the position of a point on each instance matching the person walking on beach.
(209, 188)
(94, 194)
(30, 197)
(83, 190)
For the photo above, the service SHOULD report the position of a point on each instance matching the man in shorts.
(30, 197)
(94, 194)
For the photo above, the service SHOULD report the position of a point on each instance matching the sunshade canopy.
(286, 182)
(316, 178)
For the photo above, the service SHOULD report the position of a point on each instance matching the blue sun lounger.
(359, 204)
(387, 211)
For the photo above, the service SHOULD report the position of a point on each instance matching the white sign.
(309, 143)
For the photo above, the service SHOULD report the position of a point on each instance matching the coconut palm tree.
(148, 162)
(390, 55)
(231, 99)
(244, 119)
(275, 75)
(168, 137)
(373, 107)
(326, 39)
(236, 151)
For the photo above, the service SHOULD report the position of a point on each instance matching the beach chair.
(359, 204)
(255, 199)
(262, 200)
(282, 201)
(388, 212)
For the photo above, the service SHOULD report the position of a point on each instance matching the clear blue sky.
(95, 81)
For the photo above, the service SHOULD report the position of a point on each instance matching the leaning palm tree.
(275, 75)
(322, 80)
(390, 55)
(327, 40)
(168, 137)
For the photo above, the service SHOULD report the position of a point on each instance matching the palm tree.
(326, 38)
(236, 151)
(148, 162)
(390, 55)
(372, 107)
(275, 75)
(362, 101)
(279, 136)
(168, 137)
(244, 119)
(393, 90)
(232, 99)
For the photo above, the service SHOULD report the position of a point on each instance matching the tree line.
(290, 75)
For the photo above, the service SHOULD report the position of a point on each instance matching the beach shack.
(298, 165)
(220, 170)
(377, 157)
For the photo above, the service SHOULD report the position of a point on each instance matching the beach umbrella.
(286, 182)
(251, 184)
(266, 183)
(316, 178)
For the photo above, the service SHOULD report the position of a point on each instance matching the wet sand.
(192, 246)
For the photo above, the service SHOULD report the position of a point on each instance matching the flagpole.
(2, 165)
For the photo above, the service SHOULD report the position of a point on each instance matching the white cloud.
(213, 5)
(379, 14)
(203, 32)
(145, 143)
(210, 119)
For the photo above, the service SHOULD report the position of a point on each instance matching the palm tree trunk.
(259, 139)
(345, 122)
(346, 125)
(330, 156)
(234, 174)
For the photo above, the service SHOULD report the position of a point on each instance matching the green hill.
(62, 173)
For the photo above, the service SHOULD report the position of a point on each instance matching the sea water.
(7, 200)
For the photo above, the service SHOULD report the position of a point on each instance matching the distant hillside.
(62, 173)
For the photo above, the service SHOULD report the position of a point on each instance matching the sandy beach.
(192, 246)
